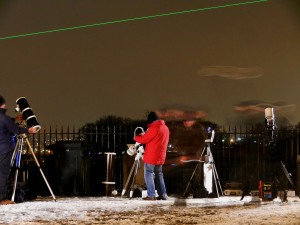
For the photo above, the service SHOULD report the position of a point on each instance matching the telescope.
(27, 113)
(136, 148)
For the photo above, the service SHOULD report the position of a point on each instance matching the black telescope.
(27, 113)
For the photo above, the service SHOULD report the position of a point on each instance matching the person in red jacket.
(156, 139)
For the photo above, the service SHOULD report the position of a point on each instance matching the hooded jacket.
(7, 129)
(156, 139)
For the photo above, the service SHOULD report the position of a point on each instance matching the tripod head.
(21, 136)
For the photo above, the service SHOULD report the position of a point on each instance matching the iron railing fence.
(239, 152)
(244, 154)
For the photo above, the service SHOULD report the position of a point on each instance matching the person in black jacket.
(7, 129)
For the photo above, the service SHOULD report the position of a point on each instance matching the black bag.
(199, 191)
(23, 193)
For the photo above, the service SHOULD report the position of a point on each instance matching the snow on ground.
(109, 210)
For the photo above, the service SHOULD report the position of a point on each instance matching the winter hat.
(152, 116)
(2, 100)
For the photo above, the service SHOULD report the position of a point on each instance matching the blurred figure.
(156, 139)
(7, 129)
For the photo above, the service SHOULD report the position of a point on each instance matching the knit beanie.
(152, 116)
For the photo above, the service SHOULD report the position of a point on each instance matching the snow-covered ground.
(110, 210)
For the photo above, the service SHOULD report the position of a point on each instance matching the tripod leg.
(215, 174)
(190, 180)
(16, 159)
(133, 179)
(288, 177)
(38, 165)
(16, 150)
(286, 173)
(217, 180)
(194, 172)
(15, 185)
(129, 177)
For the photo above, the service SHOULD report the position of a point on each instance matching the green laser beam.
(131, 19)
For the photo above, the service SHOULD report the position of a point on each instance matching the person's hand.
(32, 130)
(19, 119)
(140, 134)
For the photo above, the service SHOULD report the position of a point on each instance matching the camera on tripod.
(27, 114)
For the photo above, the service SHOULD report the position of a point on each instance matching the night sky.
(226, 64)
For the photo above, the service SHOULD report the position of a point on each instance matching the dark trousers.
(5, 159)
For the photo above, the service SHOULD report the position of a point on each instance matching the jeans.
(154, 178)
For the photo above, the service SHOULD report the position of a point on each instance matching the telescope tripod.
(16, 160)
(208, 166)
(281, 179)
(132, 176)
(288, 176)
